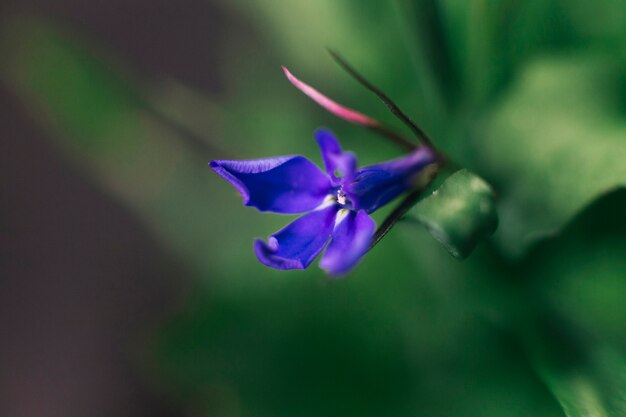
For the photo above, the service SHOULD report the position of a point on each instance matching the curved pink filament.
(330, 105)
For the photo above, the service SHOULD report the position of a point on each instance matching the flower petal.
(376, 185)
(351, 239)
(335, 160)
(297, 245)
(333, 107)
(288, 184)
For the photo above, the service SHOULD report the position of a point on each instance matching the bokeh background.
(128, 285)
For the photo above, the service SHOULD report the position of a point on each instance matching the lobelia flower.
(337, 203)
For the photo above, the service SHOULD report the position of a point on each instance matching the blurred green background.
(128, 284)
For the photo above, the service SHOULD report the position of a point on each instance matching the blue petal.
(335, 160)
(351, 239)
(288, 184)
(297, 245)
(376, 185)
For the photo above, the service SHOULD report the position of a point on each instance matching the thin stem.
(430, 173)
(419, 133)
(394, 137)
(397, 213)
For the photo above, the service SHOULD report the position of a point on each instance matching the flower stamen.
(341, 197)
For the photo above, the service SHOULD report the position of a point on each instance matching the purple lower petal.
(297, 245)
(376, 185)
(335, 160)
(351, 239)
(288, 184)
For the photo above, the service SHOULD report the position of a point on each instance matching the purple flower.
(337, 203)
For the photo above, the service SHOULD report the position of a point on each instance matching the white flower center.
(341, 197)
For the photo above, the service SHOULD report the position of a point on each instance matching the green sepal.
(460, 214)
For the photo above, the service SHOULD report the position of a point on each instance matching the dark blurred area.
(81, 278)
(81, 281)
(157, 38)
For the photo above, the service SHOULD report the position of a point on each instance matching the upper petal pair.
(376, 185)
(340, 166)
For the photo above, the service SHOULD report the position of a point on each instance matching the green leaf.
(460, 214)
(587, 379)
(576, 336)
(553, 145)
(582, 271)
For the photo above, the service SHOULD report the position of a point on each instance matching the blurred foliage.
(577, 340)
(530, 95)
(565, 143)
